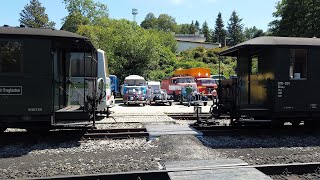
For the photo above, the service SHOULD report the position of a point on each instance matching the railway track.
(188, 116)
(65, 135)
(268, 169)
(116, 133)
(255, 130)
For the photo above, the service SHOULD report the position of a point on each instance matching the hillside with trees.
(148, 49)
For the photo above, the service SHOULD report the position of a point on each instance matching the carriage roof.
(272, 41)
(39, 32)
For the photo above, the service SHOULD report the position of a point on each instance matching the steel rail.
(268, 169)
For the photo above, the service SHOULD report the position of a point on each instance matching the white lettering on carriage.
(281, 87)
(10, 90)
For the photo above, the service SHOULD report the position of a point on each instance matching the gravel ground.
(297, 177)
(119, 125)
(266, 149)
(67, 158)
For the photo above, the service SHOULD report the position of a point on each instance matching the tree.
(183, 28)
(83, 12)
(149, 22)
(132, 49)
(235, 29)
(33, 15)
(192, 28)
(166, 23)
(253, 32)
(219, 31)
(197, 25)
(296, 18)
(205, 31)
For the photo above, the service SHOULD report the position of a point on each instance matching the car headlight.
(131, 98)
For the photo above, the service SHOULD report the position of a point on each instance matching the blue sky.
(253, 12)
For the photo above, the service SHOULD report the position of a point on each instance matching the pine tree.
(33, 15)
(219, 31)
(235, 28)
(197, 25)
(192, 28)
(205, 31)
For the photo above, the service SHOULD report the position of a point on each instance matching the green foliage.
(219, 31)
(192, 28)
(183, 29)
(205, 31)
(207, 58)
(150, 22)
(83, 12)
(131, 49)
(33, 15)
(296, 18)
(253, 32)
(197, 25)
(235, 28)
(164, 23)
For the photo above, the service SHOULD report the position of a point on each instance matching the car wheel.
(205, 103)
(170, 103)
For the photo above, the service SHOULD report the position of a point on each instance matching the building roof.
(39, 32)
(273, 41)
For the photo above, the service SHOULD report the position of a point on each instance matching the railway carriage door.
(59, 76)
(257, 92)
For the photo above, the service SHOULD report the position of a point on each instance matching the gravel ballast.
(267, 149)
(101, 156)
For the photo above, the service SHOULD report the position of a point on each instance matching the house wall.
(183, 45)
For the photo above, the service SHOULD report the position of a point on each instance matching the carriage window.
(10, 56)
(77, 65)
(254, 65)
(298, 64)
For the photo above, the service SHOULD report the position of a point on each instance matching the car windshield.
(185, 80)
(208, 81)
(218, 77)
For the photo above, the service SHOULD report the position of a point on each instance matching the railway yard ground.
(47, 155)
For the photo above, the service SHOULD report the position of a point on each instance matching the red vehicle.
(173, 85)
(205, 84)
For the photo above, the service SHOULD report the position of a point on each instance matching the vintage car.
(196, 97)
(160, 96)
(135, 95)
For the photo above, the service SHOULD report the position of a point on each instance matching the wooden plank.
(236, 173)
(158, 130)
(203, 164)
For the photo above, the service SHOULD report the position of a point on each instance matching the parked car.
(196, 99)
(160, 96)
(135, 95)
(218, 77)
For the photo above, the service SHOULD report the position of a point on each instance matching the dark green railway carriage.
(277, 79)
(34, 72)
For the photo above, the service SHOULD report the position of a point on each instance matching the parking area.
(120, 108)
